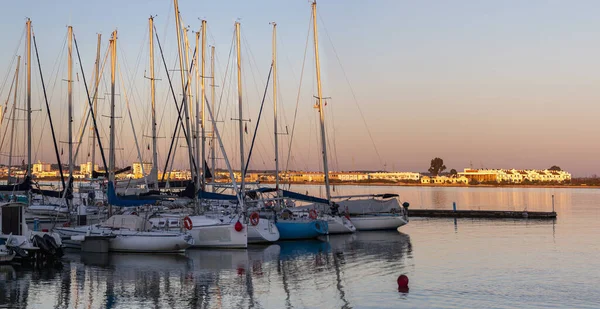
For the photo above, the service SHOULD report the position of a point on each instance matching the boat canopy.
(129, 222)
(128, 201)
(304, 197)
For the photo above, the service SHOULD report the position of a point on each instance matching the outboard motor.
(39, 242)
(52, 243)
(405, 205)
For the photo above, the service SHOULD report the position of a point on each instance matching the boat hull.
(300, 229)
(264, 232)
(378, 222)
(340, 225)
(132, 241)
(220, 236)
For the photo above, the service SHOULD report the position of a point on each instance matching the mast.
(275, 107)
(203, 102)
(240, 121)
(70, 100)
(212, 100)
(320, 106)
(113, 64)
(199, 180)
(28, 108)
(154, 170)
(183, 83)
(12, 117)
(97, 82)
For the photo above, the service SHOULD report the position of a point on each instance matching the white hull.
(339, 225)
(378, 222)
(133, 241)
(208, 232)
(264, 232)
(220, 236)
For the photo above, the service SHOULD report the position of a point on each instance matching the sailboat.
(218, 230)
(14, 232)
(131, 233)
(367, 212)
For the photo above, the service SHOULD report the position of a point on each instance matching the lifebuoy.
(187, 223)
(254, 218)
(312, 214)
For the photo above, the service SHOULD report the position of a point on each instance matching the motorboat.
(17, 238)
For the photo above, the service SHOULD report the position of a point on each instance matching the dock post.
(553, 203)
(454, 206)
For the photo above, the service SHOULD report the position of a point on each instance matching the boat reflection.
(286, 274)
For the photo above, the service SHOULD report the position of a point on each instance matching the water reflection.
(286, 274)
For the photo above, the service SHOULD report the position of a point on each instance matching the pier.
(482, 214)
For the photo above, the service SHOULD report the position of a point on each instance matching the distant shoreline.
(396, 184)
(399, 184)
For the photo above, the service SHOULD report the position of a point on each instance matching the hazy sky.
(495, 84)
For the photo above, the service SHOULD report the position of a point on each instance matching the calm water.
(451, 264)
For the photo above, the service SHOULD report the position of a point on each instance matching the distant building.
(86, 169)
(137, 169)
(40, 167)
(394, 176)
(515, 176)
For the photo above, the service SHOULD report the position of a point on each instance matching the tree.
(437, 166)
(453, 172)
(555, 168)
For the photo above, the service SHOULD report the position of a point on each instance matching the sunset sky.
(495, 84)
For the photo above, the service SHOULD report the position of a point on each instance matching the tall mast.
(275, 106)
(203, 119)
(113, 64)
(97, 84)
(183, 72)
(28, 108)
(12, 117)
(240, 120)
(199, 180)
(111, 153)
(70, 99)
(212, 100)
(320, 106)
(152, 95)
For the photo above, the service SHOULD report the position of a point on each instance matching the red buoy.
(402, 282)
(238, 226)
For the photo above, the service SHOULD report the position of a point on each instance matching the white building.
(40, 167)
(86, 169)
(394, 176)
(137, 169)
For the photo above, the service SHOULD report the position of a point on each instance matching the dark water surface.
(451, 264)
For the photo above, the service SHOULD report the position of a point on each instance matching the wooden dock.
(482, 214)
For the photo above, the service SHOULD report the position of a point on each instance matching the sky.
(492, 84)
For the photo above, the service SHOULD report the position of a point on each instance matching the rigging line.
(262, 104)
(229, 60)
(179, 109)
(352, 91)
(131, 121)
(249, 52)
(13, 59)
(82, 129)
(62, 177)
(87, 91)
(297, 100)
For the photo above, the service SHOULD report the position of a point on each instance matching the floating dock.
(483, 214)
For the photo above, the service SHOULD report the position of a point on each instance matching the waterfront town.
(468, 176)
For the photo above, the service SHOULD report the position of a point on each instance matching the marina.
(442, 258)
(195, 161)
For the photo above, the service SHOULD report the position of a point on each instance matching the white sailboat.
(362, 216)
(132, 234)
